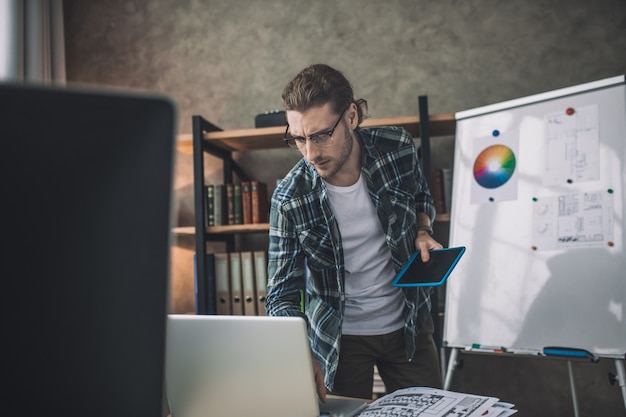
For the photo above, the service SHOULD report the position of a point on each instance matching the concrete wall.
(228, 60)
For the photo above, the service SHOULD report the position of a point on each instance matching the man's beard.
(338, 163)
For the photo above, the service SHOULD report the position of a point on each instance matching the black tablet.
(434, 272)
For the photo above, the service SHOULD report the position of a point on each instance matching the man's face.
(330, 161)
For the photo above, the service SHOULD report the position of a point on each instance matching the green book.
(210, 204)
(237, 204)
(219, 205)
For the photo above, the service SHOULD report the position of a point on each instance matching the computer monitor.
(86, 203)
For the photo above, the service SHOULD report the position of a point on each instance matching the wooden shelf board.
(254, 228)
(184, 143)
(239, 228)
(440, 124)
(184, 231)
(248, 139)
(225, 229)
(271, 137)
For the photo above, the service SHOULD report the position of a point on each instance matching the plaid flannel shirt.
(306, 264)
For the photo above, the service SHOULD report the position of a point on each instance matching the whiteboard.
(538, 200)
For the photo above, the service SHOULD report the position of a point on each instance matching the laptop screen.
(87, 179)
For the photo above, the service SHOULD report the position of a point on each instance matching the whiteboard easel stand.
(452, 364)
(443, 362)
(620, 378)
(572, 387)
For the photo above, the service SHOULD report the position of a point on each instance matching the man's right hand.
(319, 380)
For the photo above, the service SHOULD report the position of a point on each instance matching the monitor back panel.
(87, 178)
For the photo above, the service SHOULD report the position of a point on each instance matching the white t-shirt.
(373, 305)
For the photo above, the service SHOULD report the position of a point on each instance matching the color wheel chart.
(494, 168)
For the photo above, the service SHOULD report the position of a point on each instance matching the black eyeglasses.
(321, 139)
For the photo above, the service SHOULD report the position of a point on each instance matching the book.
(230, 203)
(210, 208)
(247, 278)
(222, 284)
(246, 202)
(260, 275)
(235, 283)
(260, 202)
(205, 291)
(237, 211)
(219, 204)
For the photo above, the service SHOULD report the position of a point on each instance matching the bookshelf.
(210, 139)
(271, 137)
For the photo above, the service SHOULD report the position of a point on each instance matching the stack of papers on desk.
(431, 402)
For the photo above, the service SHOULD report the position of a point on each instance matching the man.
(342, 223)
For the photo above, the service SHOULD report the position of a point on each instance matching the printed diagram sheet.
(431, 402)
(572, 146)
(573, 220)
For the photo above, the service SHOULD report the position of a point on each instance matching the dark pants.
(355, 373)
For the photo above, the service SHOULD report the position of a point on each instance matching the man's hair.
(317, 85)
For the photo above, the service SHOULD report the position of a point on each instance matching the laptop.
(223, 366)
(86, 202)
